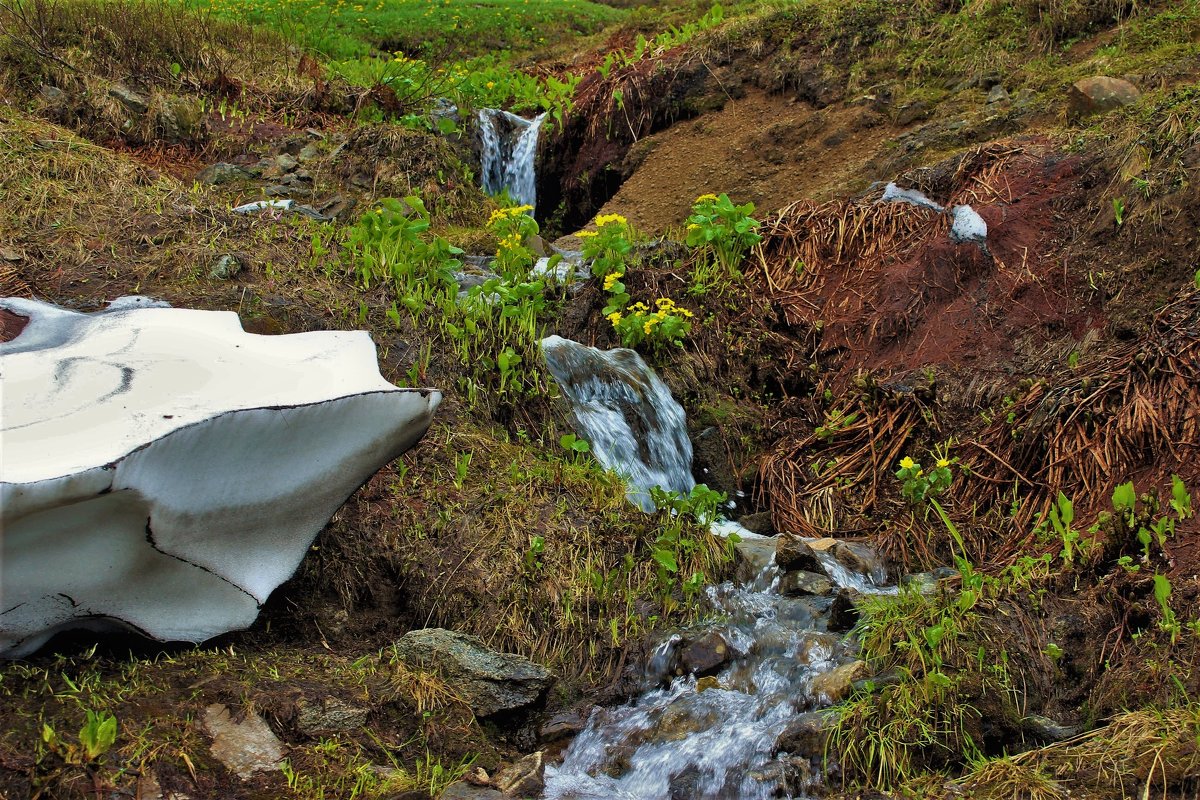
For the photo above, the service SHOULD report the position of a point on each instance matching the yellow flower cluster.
(943, 462)
(615, 318)
(706, 198)
(907, 463)
(605, 219)
(506, 213)
(610, 280)
(586, 234)
(667, 306)
(509, 243)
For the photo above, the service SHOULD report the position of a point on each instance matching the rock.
(310, 152)
(859, 558)
(525, 778)
(226, 267)
(52, 94)
(912, 112)
(711, 462)
(805, 734)
(538, 245)
(706, 655)
(286, 163)
(793, 553)
(279, 190)
(945, 573)
(180, 120)
(461, 790)
(922, 582)
(329, 715)
(563, 725)
(877, 682)
(264, 205)
(1047, 730)
(222, 172)
(164, 471)
(245, 746)
(148, 788)
(11, 255)
(1099, 95)
(488, 681)
(997, 95)
(835, 685)
(760, 523)
(751, 557)
(132, 101)
(843, 614)
(800, 583)
(707, 682)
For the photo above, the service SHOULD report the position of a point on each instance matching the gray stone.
(279, 190)
(857, 558)
(130, 99)
(245, 746)
(310, 152)
(285, 162)
(997, 95)
(805, 734)
(760, 523)
(922, 582)
(461, 790)
(222, 172)
(525, 778)
(329, 715)
(1099, 95)
(912, 112)
(488, 681)
(801, 583)
(1047, 729)
(750, 557)
(793, 553)
(226, 267)
(843, 613)
(563, 725)
(706, 655)
(53, 95)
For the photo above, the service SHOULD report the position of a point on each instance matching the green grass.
(344, 29)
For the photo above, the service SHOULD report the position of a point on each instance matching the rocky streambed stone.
(489, 682)
(245, 746)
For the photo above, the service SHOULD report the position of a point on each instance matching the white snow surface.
(163, 470)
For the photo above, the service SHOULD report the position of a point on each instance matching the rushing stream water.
(508, 154)
(718, 736)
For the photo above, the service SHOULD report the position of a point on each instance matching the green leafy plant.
(919, 485)
(608, 247)
(512, 227)
(1118, 207)
(726, 232)
(573, 444)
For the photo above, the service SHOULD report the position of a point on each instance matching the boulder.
(222, 172)
(793, 553)
(860, 559)
(805, 734)
(132, 101)
(836, 685)
(802, 583)
(760, 523)
(329, 715)
(751, 557)
(1098, 95)
(705, 655)
(525, 778)
(489, 682)
(244, 745)
(843, 613)
(164, 471)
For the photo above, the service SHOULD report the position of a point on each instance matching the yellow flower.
(490, 85)
(586, 234)
(907, 463)
(605, 219)
(943, 462)
(615, 318)
(610, 280)
(706, 198)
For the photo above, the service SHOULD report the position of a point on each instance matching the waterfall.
(627, 414)
(729, 734)
(508, 153)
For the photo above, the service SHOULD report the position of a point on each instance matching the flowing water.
(684, 737)
(508, 154)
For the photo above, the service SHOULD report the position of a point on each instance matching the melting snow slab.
(162, 470)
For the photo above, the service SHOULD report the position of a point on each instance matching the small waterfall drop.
(724, 736)
(508, 153)
(627, 414)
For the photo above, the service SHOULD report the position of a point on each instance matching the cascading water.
(718, 736)
(627, 415)
(508, 153)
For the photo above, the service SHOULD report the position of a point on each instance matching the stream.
(718, 697)
(507, 154)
